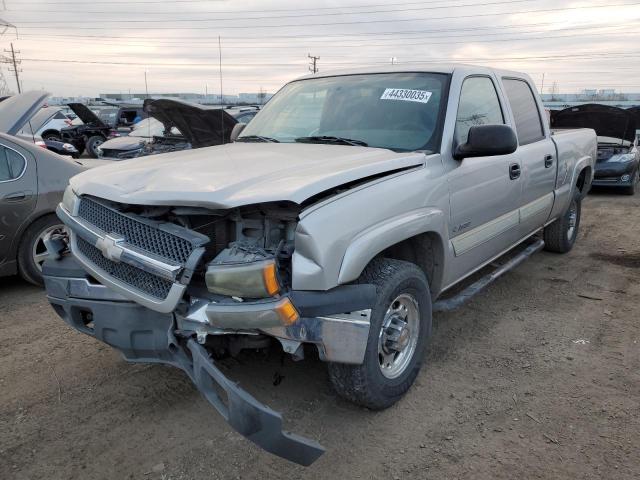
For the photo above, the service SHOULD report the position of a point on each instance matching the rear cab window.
(525, 110)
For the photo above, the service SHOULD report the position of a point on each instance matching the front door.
(484, 191)
(18, 193)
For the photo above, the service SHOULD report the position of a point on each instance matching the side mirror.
(486, 141)
(237, 130)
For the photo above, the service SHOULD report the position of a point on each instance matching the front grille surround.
(138, 232)
(145, 246)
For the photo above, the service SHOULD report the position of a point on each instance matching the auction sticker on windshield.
(406, 95)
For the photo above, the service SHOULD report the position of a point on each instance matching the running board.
(449, 304)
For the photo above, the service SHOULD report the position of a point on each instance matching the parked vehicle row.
(339, 218)
(175, 125)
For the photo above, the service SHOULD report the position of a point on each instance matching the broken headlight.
(256, 279)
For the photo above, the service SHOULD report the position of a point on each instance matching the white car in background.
(51, 121)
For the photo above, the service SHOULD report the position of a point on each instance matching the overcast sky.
(79, 47)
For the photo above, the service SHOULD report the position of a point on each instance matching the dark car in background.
(175, 125)
(32, 182)
(88, 135)
(100, 125)
(618, 155)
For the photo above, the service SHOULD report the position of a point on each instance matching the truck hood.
(239, 174)
(17, 110)
(86, 115)
(200, 125)
(605, 120)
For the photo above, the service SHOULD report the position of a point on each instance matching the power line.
(208, 44)
(303, 15)
(599, 55)
(359, 22)
(243, 12)
(320, 36)
(425, 42)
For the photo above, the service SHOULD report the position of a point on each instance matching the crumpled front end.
(173, 285)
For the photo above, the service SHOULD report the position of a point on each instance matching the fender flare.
(375, 239)
(580, 165)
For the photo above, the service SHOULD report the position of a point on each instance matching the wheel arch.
(415, 237)
(19, 237)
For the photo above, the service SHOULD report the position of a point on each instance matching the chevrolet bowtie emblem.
(110, 248)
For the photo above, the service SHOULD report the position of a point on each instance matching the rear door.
(536, 154)
(18, 193)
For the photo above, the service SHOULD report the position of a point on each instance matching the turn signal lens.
(287, 312)
(270, 278)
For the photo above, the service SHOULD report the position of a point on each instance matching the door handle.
(548, 161)
(17, 196)
(514, 171)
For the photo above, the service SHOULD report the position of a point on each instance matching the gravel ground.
(537, 377)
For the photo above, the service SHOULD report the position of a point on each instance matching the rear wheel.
(398, 336)
(32, 251)
(92, 145)
(51, 136)
(560, 235)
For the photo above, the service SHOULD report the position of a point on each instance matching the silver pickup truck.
(341, 217)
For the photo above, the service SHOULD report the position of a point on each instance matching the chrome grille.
(134, 277)
(135, 232)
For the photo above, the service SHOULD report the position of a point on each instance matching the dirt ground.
(537, 377)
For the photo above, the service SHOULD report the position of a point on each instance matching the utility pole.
(146, 85)
(313, 64)
(15, 63)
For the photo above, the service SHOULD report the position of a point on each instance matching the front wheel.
(32, 251)
(560, 235)
(398, 336)
(92, 145)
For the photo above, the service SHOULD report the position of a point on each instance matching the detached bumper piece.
(145, 336)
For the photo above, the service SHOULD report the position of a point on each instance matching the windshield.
(398, 111)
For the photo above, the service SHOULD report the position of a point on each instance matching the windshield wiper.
(257, 138)
(330, 139)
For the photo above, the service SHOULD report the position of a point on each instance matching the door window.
(479, 105)
(525, 111)
(12, 164)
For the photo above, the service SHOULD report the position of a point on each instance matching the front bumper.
(609, 174)
(143, 335)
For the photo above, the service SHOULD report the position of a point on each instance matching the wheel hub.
(398, 336)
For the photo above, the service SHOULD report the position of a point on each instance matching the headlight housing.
(258, 279)
(69, 198)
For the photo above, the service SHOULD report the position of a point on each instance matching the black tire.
(365, 384)
(51, 136)
(631, 189)
(92, 144)
(556, 235)
(28, 268)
